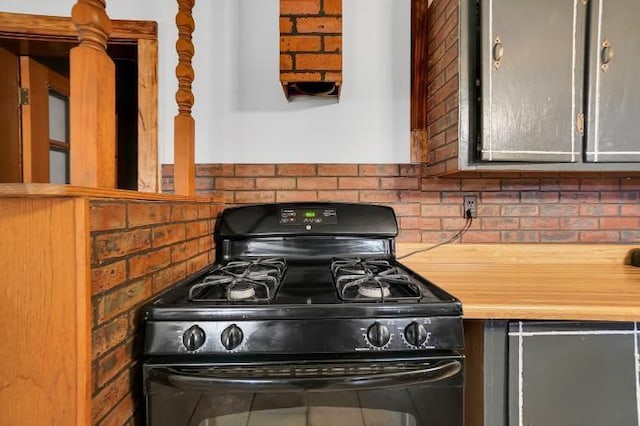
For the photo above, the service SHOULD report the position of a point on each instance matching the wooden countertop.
(534, 281)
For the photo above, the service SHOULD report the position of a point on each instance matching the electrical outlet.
(470, 204)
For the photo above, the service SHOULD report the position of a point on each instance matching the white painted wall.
(241, 113)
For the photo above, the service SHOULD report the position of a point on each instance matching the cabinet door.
(532, 67)
(565, 374)
(614, 82)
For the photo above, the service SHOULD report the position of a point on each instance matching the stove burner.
(371, 290)
(361, 280)
(244, 280)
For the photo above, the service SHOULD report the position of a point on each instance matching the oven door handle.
(438, 371)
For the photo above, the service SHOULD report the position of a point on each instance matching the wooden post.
(92, 99)
(184, 124)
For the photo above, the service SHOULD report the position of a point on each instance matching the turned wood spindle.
(184, 124)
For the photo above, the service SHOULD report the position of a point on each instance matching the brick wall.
(513, 207)
(138, 249)
(442, 80)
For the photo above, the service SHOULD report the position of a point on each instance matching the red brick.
(275, 183)
(181, 212)
(629, 236)
(457, 223)
(539, 223)
(631, 223)
(205, 243)
(481, 237)
(599, 210)
(149, 262)
(539, 197)
(183, 251)
(452, 197)
(333, 76)
(197, 263)
(408, 236)
(399, 183)
(620, 197)
(205, 211)
(406, 209)
(120, 413)
(341, 196)
(411, 170)
(109, 335)
(109, 305)
(119, 244)
(107, 216)
(116, 361)
(579, 223)
(559, 184)
(630, 210)
(204, 183)
(147, 213)
(300, 76)
(519, 236)
(420, 197)
(337, 170)
(500, 223)
(286, 25)
(332, 7)
(332, 43)
(254, 197)
(168, 234)
(317, 183)
(299, 7)
(579, 197)
(108, 397)
(501, 197)
(480, 184)
(255, 170)
(300, 43)
(108, 277)
(488, 210)
(434, 236)
(228, 197)
(600, 184)
(289, 196)
(378, 170)
(558, 236)
(448, 210)
(319, 25)
(520, 184)
(318, 61)
(198, 229)
(424, 223)
(519, 210)
(167, 170)
(379, 196)
(559, 210)
(296, 169)
(168, 276)
(235, 183)
(215, 170)
(630, 183)
(358, 183)
(599, 236)
(438, 184)
(286, 62)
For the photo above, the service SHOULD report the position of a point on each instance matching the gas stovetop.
(304, 278)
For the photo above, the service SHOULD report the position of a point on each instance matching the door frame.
(142, 34)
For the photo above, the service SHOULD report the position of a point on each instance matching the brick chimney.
(311, 47)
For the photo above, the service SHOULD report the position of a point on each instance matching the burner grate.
(366, 280)
(251, 280)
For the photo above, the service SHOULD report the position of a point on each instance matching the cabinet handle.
(498, 52)
(606, 55)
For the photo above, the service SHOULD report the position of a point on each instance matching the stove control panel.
(331, 335)
(311, 216)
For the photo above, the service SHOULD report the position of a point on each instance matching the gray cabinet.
(532, 79)
(559, 373)
(614, 82)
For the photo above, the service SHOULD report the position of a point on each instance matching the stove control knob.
(231, 337)
(378, 335)
(415, 334)
(193, 338)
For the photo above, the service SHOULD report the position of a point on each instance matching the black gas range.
(304, 299)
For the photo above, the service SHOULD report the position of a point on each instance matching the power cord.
(457, 236)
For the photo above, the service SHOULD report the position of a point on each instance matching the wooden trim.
(419, 76)
(10, 157)
(148, 170)
(13, 190)
(184, 125)
(474, 369)
(35, 121)
(83, 310)
(42, 27)
(62, 146)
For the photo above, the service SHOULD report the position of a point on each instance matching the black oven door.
(403, 391)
